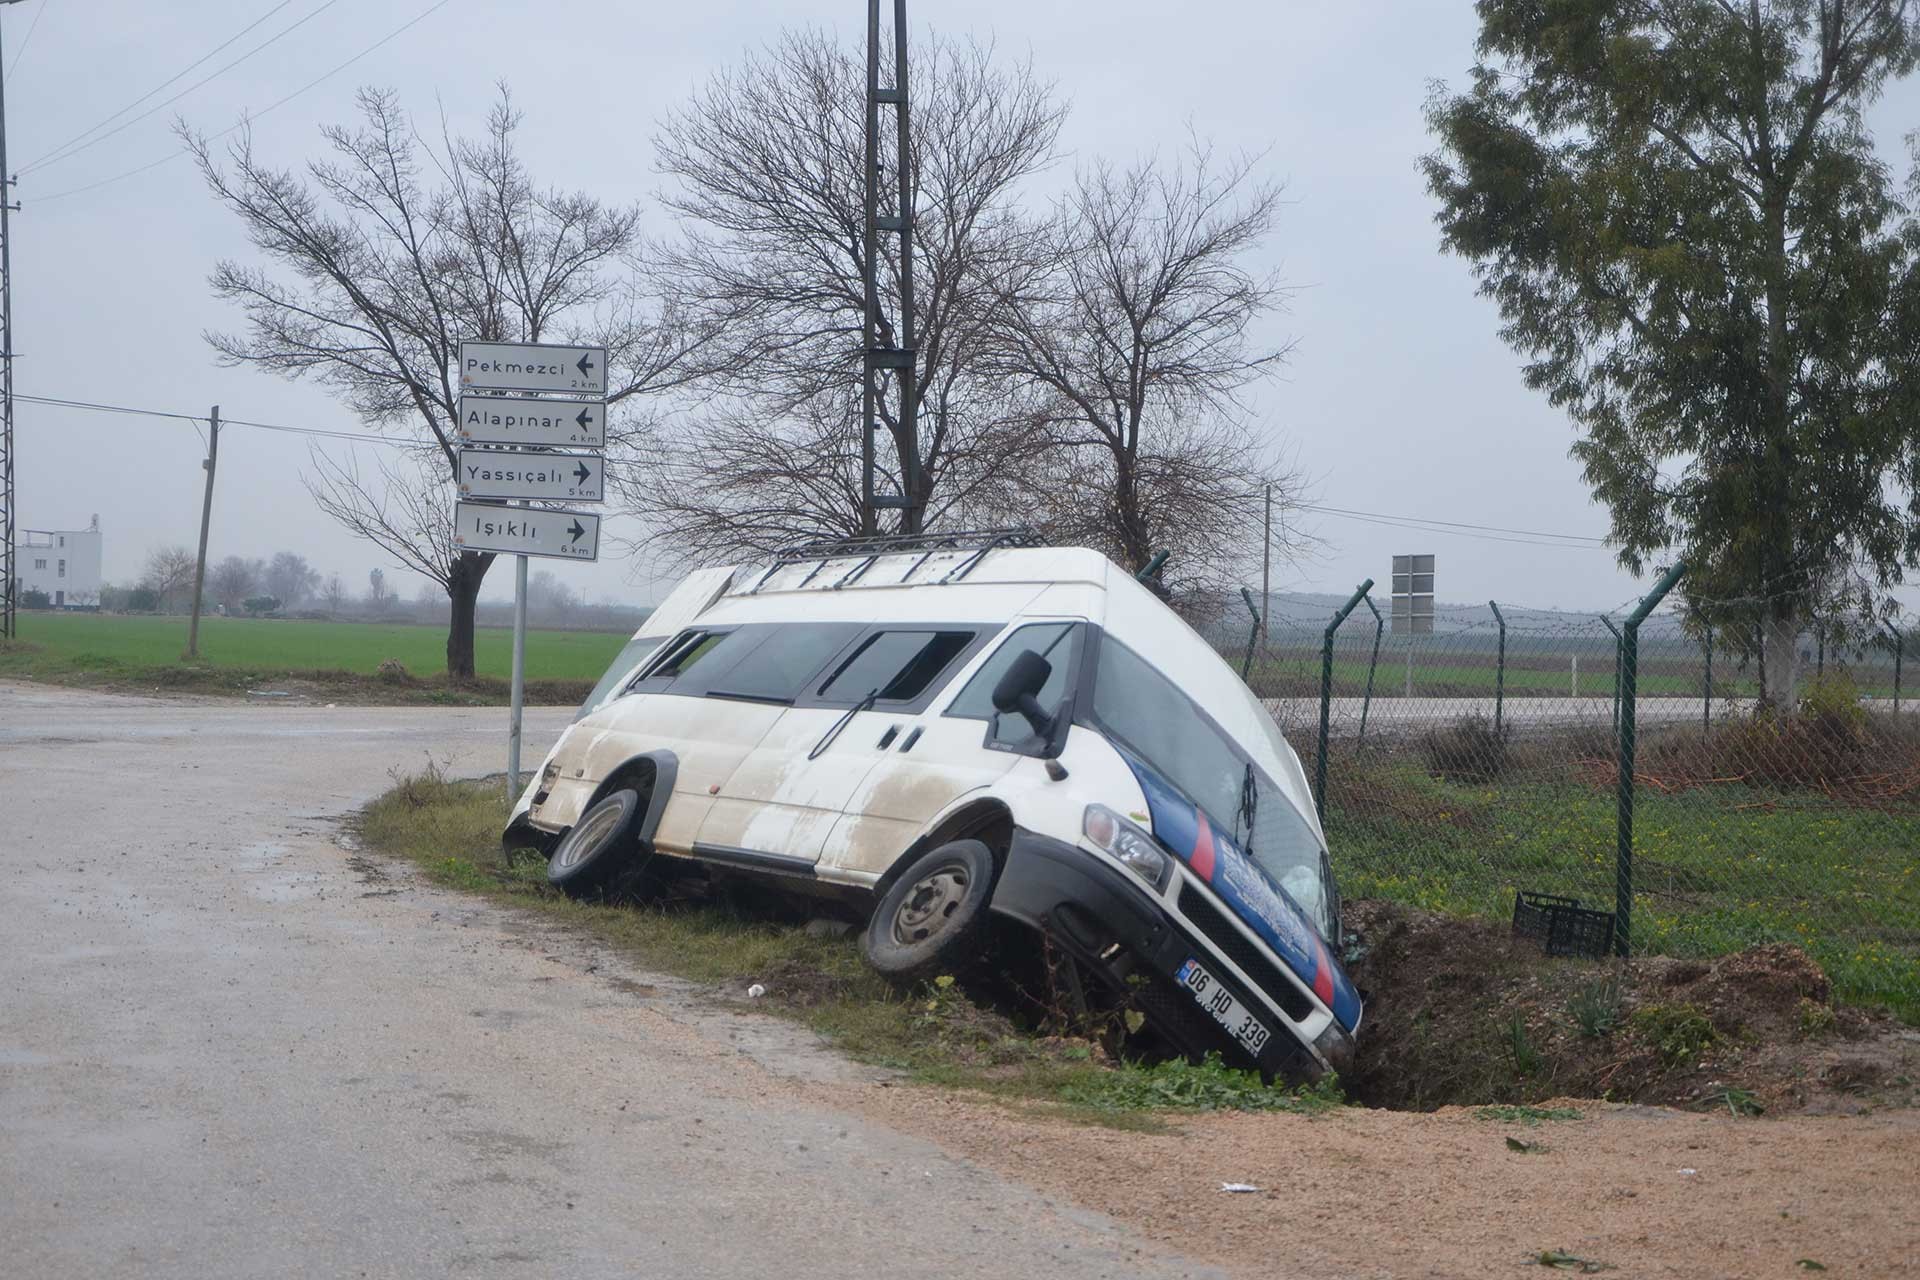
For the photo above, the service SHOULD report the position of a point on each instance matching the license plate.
(1220, 1003)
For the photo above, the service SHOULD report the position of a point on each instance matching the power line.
(1451, 529)
(93, 406)
(74, 145)
(1455, 524)
(404, 27)
(27, 39)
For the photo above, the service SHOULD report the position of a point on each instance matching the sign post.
(519, 465)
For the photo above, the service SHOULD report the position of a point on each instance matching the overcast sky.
(1400, 398)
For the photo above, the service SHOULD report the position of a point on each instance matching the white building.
(64, 563)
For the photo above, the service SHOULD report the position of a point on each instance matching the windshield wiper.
(826, 740)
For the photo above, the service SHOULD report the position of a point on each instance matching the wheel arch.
(983, 818)
(650, 772)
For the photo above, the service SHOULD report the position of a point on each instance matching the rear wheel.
(598, 853)
(934, 918)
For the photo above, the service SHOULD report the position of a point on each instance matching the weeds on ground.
(1738, 1102)
(1207, 1086)
(1526, 1115)
(1525, 1057)
(1678, 1032)
(1595, 1008)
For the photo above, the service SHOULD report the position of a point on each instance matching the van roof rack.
(870, 549)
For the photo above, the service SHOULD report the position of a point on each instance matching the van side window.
(685, 651)
(1059, 644)
(899, 664)
(778, 668)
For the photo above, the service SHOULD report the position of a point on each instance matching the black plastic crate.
(1561, 926)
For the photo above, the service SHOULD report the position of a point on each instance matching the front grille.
(1274, 984)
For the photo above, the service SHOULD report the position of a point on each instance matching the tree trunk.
(463, 590)
(1780, 660)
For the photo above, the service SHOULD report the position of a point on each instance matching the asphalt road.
(229, 1048)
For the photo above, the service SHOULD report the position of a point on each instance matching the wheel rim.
(930, 904)
(587, 838)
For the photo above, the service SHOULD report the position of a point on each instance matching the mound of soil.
(1461, 1013)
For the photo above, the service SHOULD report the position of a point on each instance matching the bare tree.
(377, 595)
(233, 580)
(334, 593)
(169, 575)
(1137, 317)
(289, 578)
(767, 162)
(551, 596)
(381, 259)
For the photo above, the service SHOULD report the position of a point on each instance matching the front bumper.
(1109, 921)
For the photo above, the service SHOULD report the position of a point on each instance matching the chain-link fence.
(1461, 768)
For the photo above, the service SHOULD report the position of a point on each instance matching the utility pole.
(898, 358)
(206, 516)
(9, 572)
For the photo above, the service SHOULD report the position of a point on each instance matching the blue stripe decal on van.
(1244, 885)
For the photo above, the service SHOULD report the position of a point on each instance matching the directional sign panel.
(526, 531)
(541, 477)
(576, 424)
(533, 366)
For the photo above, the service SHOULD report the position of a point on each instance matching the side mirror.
(1019, 690)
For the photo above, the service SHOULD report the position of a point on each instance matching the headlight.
(1132, 846)
(1335, 1045)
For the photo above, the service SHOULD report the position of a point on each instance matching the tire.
(599, 848)
(933, 919)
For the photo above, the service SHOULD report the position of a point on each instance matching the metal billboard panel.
(533, 366)
(532, 477)
(526, 531)
(523, 420)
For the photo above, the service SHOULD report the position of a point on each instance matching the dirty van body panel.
(708, 737)
(695, 592)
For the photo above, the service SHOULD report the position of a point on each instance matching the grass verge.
(329, 661)
(22, 660)
(936, 1034)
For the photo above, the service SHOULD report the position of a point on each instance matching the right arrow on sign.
(577, 531)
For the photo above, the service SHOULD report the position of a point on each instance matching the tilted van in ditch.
(945, 731)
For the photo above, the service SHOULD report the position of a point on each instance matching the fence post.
(1616, 670)
(1379, 625)
(1899, 651)
(1326, 697)
(1706, 702)
(1499, 670)
(1246, 664)
(1627, 692)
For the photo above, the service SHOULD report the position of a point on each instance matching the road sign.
(533, 366)
(523, 420)
(526, 531)
(534, 477)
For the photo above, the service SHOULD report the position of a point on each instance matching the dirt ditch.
(1461, 1013)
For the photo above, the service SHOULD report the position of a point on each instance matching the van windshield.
(623, 666)
(1154, 720)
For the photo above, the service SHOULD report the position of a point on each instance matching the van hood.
(1245, 886)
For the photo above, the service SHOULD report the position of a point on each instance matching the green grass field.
(111, 650)
(1716, 868)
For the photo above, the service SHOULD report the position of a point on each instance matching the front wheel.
(598, 848)
(934, 917)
